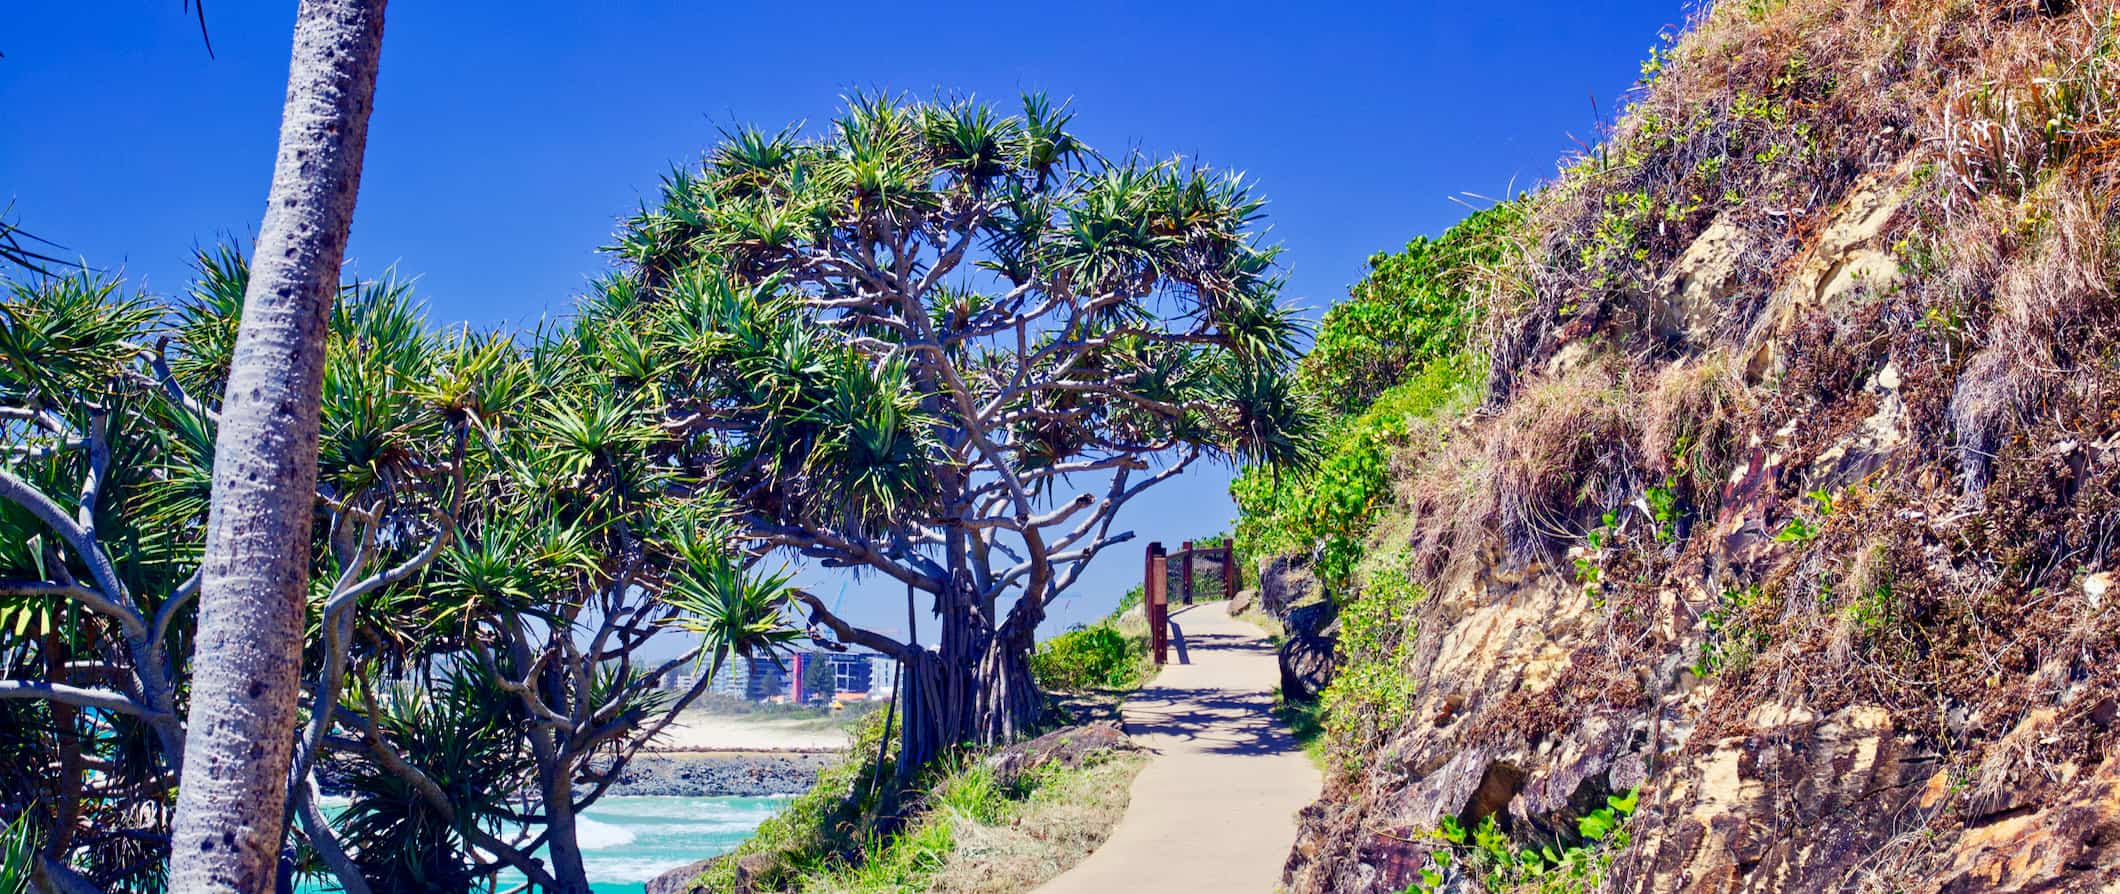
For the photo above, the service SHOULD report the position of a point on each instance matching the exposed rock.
(1069, 747)
(1847, 260)
(1873, 441)
(2076, 836)
(679, 881)
(1693, 295)
(1307, 652)
(1242, 602)
(1285, 581)
(746, 774)
(1749, 814)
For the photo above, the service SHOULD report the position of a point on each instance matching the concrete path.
(1215, 810)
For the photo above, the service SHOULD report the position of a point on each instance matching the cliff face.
(1793, 494)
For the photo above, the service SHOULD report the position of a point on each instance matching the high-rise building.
(850, 673)
(755, 679)
(883, 676)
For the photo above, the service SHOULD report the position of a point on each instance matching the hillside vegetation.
(1736, 512)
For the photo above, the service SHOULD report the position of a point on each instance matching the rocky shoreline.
(704, 774)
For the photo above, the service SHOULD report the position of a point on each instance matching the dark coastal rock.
(744, 774)
(1285, 581)
(1307, 653)
(1069, 747)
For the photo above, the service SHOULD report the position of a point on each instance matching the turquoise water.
(627, 841)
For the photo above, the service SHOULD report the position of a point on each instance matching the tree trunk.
(255, 576)
(561, 843)
(977, 689)
(1008, 701)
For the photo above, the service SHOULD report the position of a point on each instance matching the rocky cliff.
(1774, 551)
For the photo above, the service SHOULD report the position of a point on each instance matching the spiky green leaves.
(734, 610)
(67, 338)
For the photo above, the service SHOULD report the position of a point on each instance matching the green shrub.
(1329, 510)
(1100, 656)
(1397, 350)
(1498, 864)
(1413, 309)
(1372, 691)
(832, 824)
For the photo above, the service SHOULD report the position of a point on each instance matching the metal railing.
(1156, 581)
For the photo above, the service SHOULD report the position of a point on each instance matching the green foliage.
(18, 855)
(1373, 687)
(1306, 721)
(1413, 309)
(1736, 632)
(1805, 528)
(1664, 508)
(846, 834)
(462, 735)
(1099, 656)
(1395, 352)
(1498, 864)
(1329, 509)
(1130, 600)
(485, 510)
(833, 822)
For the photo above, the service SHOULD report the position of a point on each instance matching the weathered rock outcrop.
(1285, 581)
(743, 774)
(1069, 747)
(1794, 511)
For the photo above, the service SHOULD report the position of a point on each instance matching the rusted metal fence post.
(1185, 556)
(1156, 602)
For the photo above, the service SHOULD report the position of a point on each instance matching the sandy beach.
(700, 731)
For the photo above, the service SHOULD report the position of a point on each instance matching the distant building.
(754, 679)
(850, 673)
(883, 676)
(854, 675)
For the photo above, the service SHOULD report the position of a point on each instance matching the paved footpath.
(1215, 810)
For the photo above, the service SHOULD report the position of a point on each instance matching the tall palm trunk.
(256, 571)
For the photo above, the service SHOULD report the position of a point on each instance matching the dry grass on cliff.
(1944, 581)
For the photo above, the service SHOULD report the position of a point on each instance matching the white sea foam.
(654, 830)
(625, 869)
(596, 836)
(687, 809)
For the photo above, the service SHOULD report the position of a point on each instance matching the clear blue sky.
(508, 136)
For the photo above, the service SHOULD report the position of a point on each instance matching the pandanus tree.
(496, 698)
(91, 584)
(109, 405)
(945, 346)
(495, 548)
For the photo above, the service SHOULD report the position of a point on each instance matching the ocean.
(627, 841)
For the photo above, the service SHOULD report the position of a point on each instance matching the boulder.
(1242, 602)
(1070, 747)
(748, 868)
(1285, 581)
(1307, 652)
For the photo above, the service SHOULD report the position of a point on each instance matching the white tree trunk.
(229, 823)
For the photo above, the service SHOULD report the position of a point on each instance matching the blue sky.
(509, 136)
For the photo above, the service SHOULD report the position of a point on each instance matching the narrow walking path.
(1215, 810)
